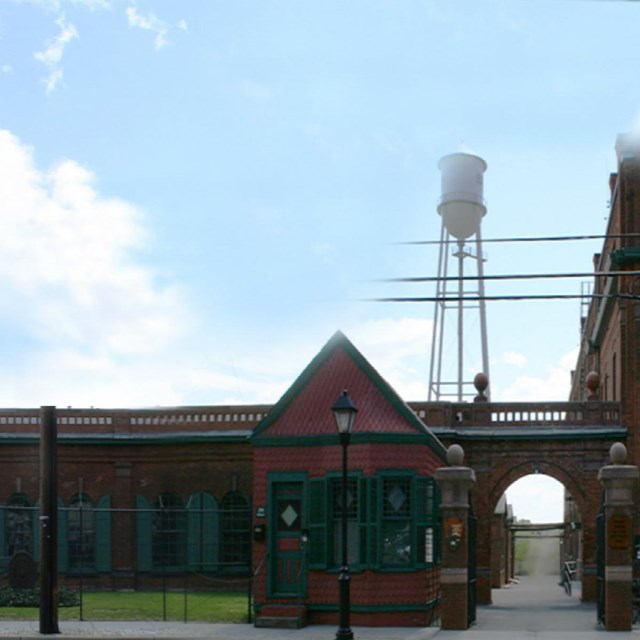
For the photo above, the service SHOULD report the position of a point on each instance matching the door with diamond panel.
(288, 567)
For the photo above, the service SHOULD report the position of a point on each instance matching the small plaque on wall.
(261, 512)
(454, 532)
(619, 532)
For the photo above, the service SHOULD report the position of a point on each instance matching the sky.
(194, 196)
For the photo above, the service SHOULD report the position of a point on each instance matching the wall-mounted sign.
(454, 532)
(619, 532)
(261, 512)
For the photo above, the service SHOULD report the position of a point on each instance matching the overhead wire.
(518, 276)
(540, 296)
(530, 239)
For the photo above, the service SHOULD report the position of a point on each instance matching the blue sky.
(196, 195)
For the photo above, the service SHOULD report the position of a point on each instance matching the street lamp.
(344, 412)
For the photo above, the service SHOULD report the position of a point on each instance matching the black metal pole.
(48, 522)
(344, 631)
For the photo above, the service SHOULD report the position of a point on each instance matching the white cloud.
(513, 358)
(7, 68)
(398, 348)
(67, 262)
(556, 385)
(149, 22)
(51, 57)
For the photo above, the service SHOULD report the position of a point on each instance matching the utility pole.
(48, 521)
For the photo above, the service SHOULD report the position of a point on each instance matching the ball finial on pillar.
(592, 382)
(618, 453)
(455, 455)
(481, 382)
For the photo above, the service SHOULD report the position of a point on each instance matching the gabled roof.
(305, 409)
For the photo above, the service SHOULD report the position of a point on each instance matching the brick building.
(142, 494)
(393, 515)
(148, 496)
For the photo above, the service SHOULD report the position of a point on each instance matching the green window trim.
(397, 504)
(318, 541)
(371, 549)
(202, 533)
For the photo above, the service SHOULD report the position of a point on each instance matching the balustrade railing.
(239, 417)
(518, 414)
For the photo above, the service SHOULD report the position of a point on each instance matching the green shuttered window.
(392, 522)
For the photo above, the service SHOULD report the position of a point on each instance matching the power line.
(517, 276)
(533, 239)
(543, 296)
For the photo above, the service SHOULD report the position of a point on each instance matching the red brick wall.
(368, 588)
(124, 471)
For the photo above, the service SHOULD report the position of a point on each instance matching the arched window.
(18, 529)
(81, 534)
(168, 533)
(235, 528)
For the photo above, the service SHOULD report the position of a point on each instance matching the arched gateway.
(504, 442)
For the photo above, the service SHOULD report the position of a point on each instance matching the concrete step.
(278, 616)
(278, 622)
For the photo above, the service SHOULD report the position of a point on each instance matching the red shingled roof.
(305, 409)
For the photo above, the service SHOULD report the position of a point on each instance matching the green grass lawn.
(200, 607)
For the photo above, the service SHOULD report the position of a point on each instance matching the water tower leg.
(460, 318)
(483, 310)
(438, 321)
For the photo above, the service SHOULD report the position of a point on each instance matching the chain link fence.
(176, 562)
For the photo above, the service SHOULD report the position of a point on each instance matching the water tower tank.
(462, 203)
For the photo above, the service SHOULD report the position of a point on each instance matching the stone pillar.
(619, 482)
(455, 482)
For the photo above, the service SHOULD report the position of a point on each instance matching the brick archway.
(568, 441)
(574, 463)
(570, 480)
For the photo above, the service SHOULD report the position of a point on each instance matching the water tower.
(461, 209)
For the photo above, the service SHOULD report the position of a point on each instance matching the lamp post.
(344, 412)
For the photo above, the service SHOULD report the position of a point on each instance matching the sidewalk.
(534, 609)
(189, 631)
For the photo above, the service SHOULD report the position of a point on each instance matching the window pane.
(81, 534)
(353, 542)
(236, 532)
(168, 530)
(396, 546)
(397, 511)
(397, 498)
(19, 525)
(353, 530)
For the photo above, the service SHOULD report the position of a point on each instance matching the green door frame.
(287, 530)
